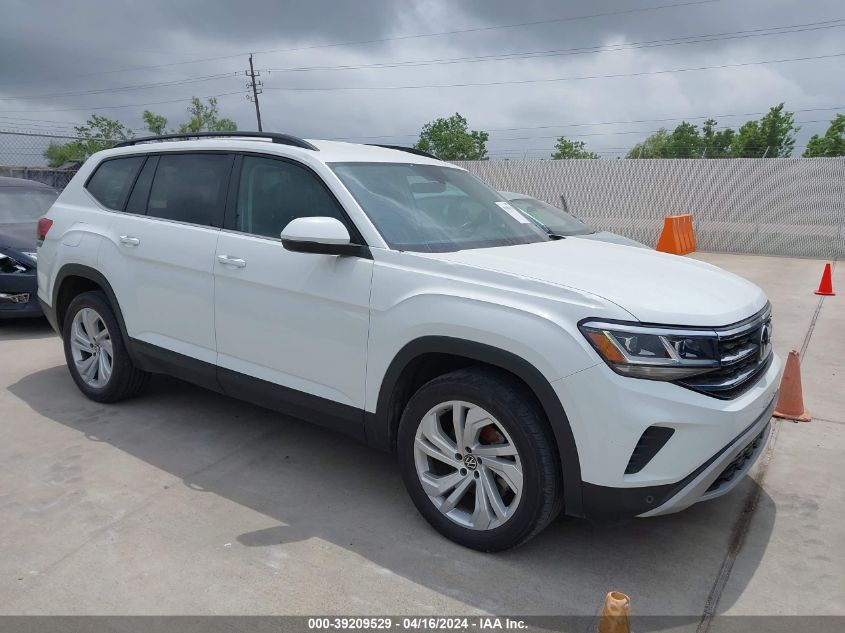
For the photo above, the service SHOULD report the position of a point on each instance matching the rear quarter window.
(112, 180)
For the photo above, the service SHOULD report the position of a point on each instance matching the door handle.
(234, 262)
(128, 240)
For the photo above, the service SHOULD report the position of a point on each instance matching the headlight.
(657, 353)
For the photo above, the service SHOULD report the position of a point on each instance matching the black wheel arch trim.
(91, 274)
(379, 425)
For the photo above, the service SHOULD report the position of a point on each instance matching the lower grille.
(745, 351)
(737, 464)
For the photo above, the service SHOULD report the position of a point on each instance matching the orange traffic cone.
(826, 284)
(791, 401)
(615, 614)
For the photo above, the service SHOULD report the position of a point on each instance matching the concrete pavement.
(182, 501)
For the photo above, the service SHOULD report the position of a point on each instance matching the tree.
(204, 118)
(831, 144)
(449, 139)
(715, 144)
(653, 147)
(773, 136)
(571, 149)
(684, 142)
(155, 122)
(97, 133)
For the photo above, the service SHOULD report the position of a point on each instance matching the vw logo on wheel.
(471, 462)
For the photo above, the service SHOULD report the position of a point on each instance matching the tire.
(108, 377)
(499, 416)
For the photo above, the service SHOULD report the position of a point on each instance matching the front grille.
(745, 353)
(737, 464)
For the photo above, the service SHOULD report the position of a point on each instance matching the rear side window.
(113, 179)
(190, 188)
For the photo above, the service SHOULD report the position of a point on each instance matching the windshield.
(429, 208)
(556, 221)
(20, 204)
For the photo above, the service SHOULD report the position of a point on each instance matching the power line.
(708, 116)
(385, 39)
(552, 79)
(645, 133)
(623, 132)
(160, 84)
(595, 123)
(126, 105)
(674, 41)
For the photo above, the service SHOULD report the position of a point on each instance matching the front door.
(291, 327)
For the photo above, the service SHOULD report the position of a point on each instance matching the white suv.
(398, 299)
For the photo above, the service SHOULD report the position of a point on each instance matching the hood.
(654, 287)
(613, 238)
(19, 236)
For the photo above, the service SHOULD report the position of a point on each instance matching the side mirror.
(321, 235)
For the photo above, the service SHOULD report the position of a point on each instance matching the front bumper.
(608, 415)
(724, 471)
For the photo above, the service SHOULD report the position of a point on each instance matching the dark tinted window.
(141, 191)
(190, 188)
(111, 182)
(274, 192)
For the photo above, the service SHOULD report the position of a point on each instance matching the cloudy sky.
(376, 70)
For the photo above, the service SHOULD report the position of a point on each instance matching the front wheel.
(478, 459)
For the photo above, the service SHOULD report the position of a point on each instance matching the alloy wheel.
(91, 347)
(468, 465)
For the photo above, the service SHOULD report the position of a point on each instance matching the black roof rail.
(282, 139)
(402, 148)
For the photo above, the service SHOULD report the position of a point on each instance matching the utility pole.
(256, 90)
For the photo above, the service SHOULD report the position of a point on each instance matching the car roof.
(6, 181)
(327, 151)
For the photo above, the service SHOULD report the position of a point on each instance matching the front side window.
(111, 182)
(429, 208)
(273, 192)
(19, 205)
(190, 188)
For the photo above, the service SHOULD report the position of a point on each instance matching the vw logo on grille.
(765, 343)
(471, 462)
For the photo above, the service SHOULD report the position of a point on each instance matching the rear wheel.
(95, 351)
(478, 459)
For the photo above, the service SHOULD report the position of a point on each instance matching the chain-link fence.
(777, 206)
(22, 156)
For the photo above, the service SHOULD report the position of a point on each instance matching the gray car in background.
(559, 223)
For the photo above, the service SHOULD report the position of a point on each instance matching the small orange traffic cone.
(826, 284)
(615, 614)
(791, 401)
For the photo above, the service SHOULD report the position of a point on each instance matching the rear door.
(159, 256)
(291, 327)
